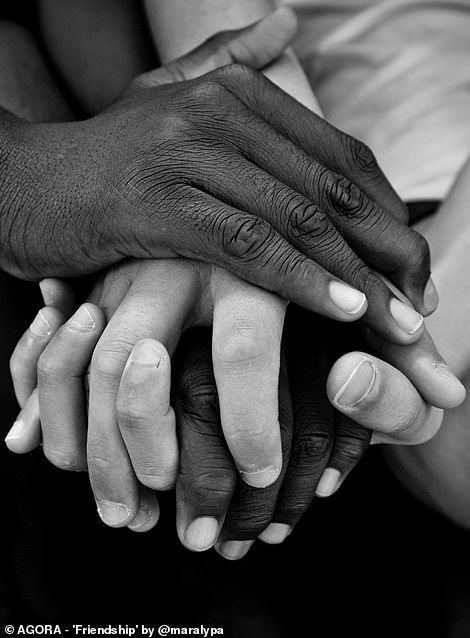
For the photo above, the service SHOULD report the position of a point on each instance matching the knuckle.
(131, 415)
(311, 448)
(306, 220)
(343, 197)
(213, 484)
(207, 89)
(251, 438)
(360, 276)
(349, 452)
(251, 521)
(242, 345)
(361, 156)
(236, 72)
(348, 199)
(177, 126)
(157, 477)
(197, 391)
(49, 368)
(109, 359)
(245, 237)
(297, 505)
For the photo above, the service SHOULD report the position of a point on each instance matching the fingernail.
(46, 293)
(113, 513)
(346, 298)
(329, 482)
(454, 384)
(146, 353)
(261, 478)
(357, 386)
(431, 297)
(202, 533)
(275, 533)
(143, 519)
(82, 320)
(40, 326)
(16, 431)
(405, 317)
(234, 550)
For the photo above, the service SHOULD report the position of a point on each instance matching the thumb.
(378, 396)
(256, 45)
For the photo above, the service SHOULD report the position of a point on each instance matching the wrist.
(14, 189)
(47, 192)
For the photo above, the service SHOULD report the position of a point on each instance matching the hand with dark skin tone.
(204, 169)
(59, 461)
(315, 435)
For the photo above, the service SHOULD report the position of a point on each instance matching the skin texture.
(313, 436)
(230, 198)
(261, 508)
(69, 437)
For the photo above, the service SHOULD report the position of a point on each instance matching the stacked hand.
(132, 439)
(225, 168)
(299, 185)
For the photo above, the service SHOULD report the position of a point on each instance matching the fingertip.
(409, 322)
(351, 380)
(94, 312)
(150, 352)
(275, 533)
(449, 390)
(233, 550)
(430, 297)
(261, 478)
(114, 514)
(269, 37)
(47, 291)
(25, 434)
(84, 319)
(146, 518)
(351, 302)
(431, 377)
(56, 293)
(288, 18)
(329, 483)
(46, 322)
(201, 534)
(23, 437)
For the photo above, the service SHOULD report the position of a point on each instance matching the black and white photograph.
(235, 318)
